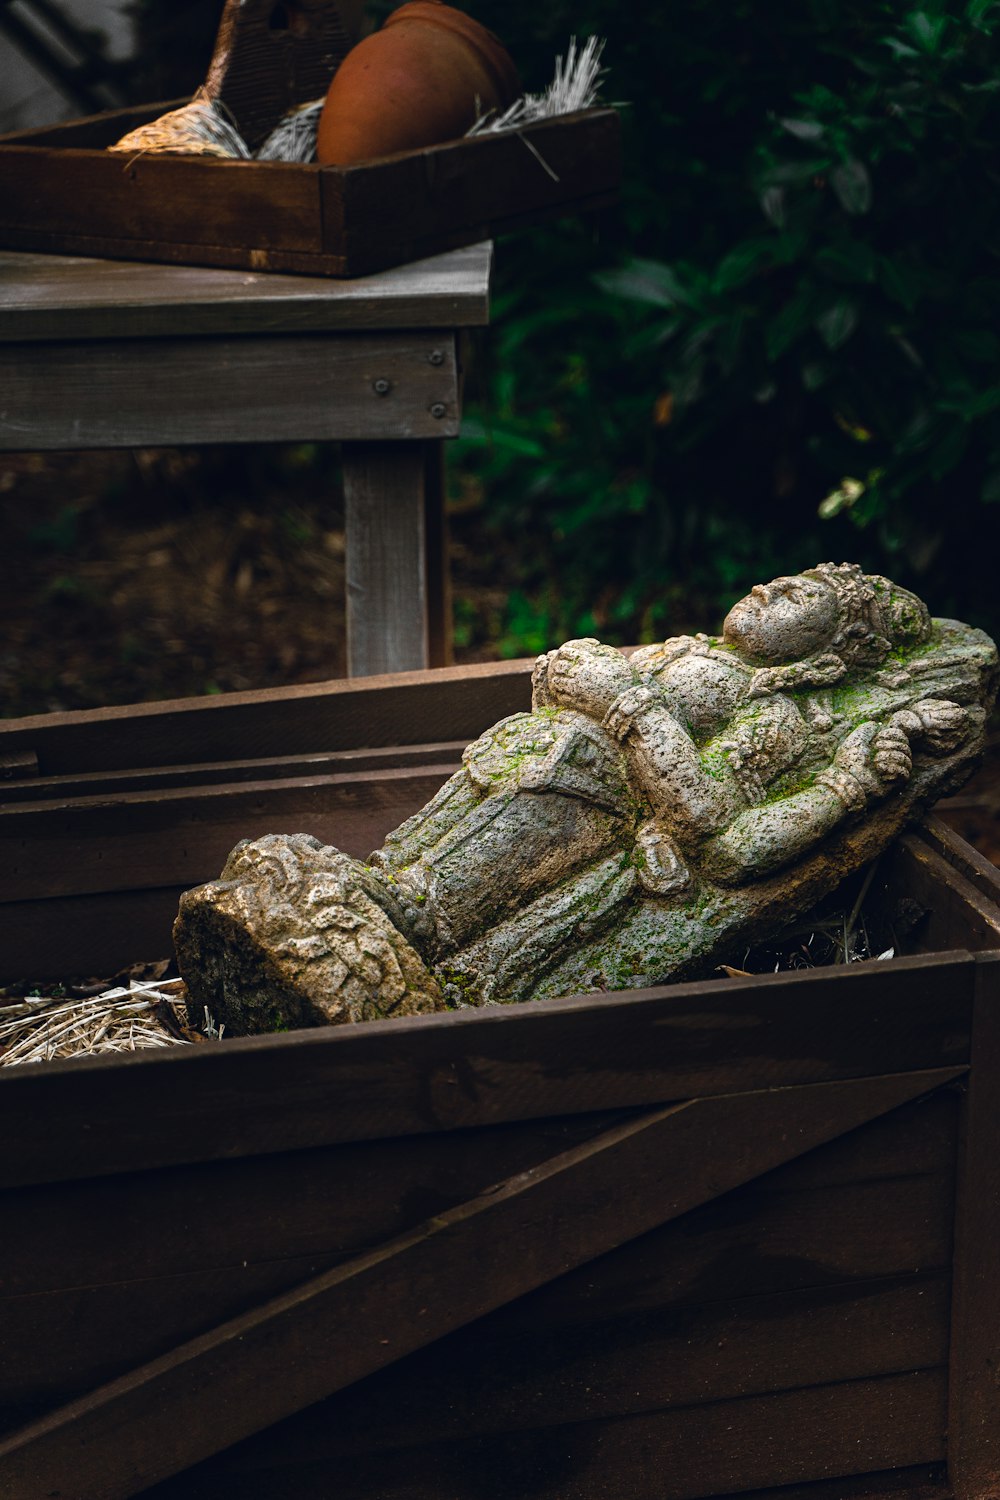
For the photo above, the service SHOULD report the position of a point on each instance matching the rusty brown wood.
(451, 1071)
(219, 1388)
(974, 1405)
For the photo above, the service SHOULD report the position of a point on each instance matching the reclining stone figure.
(649, 815)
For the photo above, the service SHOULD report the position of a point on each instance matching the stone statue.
(648, 816)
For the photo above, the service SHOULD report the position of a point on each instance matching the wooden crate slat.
(486, 181)
(86, 936)
(449, 703)
(951, 903)
(157, 1258)
(388, 1078)
(402, 1296)
(72, 1340)
(659, 1362)
(974, 1415)
(160, 198)
(227, 390)
(181, 836)
(320, 1203)
(86, 298)
(29, 787)
(269, 216)
(726, 1448)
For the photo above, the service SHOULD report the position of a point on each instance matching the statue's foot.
(294, 933)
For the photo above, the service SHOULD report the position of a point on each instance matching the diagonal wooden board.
(343, 1325)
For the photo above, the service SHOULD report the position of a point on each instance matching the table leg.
(396, 569)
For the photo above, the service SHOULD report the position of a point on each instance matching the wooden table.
(115, 354)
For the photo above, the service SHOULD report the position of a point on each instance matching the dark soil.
(158, 574)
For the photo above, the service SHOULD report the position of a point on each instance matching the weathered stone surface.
(648, 816)
(290, 935)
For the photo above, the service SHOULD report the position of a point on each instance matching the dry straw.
(201, 128)
(119, 1020)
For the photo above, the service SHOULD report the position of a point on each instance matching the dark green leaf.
(794, 319)
(848, 260)
(853, 187)
(805, 130)
(648, 281)
(838, 322)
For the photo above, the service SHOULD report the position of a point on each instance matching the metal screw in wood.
(381, 387)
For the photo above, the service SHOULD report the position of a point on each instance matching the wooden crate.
(698, 1240)
(62, 191)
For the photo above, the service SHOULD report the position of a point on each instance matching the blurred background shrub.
(782, 346)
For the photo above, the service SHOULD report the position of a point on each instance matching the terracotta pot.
(421, 79)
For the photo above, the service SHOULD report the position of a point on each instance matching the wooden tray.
(694, 1241)
(61, 191)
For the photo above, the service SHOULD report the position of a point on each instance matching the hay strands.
(122, 1019)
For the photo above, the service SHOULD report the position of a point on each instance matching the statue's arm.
(871, 761)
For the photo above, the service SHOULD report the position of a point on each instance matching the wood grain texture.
(27, 786)
(965, 858)
(182, 835)
(386, 542)
(144, 392)
(945, 902)
(411, 199)
(410, 1291)
(974, 1415)
(390, 1078)
(347, 221)
(452, 703)
(156, 1258)
(45, 297)
(724, 1448)
(86, 935)
(194, 200)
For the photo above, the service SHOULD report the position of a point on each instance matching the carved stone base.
(294, 933)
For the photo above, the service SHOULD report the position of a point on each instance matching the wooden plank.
(218, 1389)
(955, 911)
(30, 787)
(231, 256)
(371, 216)
(974, 1414)
(86, 936)
(407, 1077)
(480, 184)
(93, 131)
(45, 297)
(467, 1385)
(451, 703)
(798, 1226)
(98, 1277)
(182, 835)
(144, 392)
(966, 859)
(726, 1447)
(386, 562)
(440, 644)
(198, 200)
(328, 1202)
(61, 1343)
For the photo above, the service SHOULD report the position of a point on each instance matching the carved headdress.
(874, 616)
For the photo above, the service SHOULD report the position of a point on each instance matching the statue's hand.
(892, 758)
(873, 759)
(588, 676)
(943, 724)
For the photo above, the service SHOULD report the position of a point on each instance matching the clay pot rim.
(484, 42)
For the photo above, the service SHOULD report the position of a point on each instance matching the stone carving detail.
(646, 817)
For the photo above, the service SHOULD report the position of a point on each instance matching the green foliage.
(783, 346)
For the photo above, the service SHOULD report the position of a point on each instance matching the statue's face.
(782, 621)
